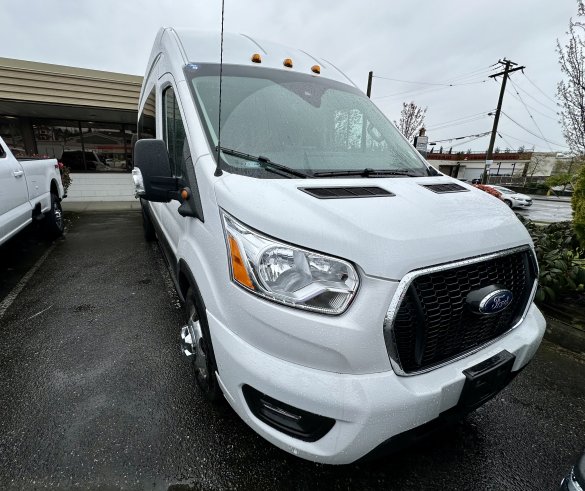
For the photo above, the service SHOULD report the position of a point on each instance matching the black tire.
(53, 222)
(508, 202)
(148, 227)
(205, 377)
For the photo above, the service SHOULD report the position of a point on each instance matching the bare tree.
(537, 164)
(412, 118)
(571, 91)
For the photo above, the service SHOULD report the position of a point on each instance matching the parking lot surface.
(549, 210)
(95, 394)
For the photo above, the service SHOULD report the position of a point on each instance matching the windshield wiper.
(265, 163)
(366, 173)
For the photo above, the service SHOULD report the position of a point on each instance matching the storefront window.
(129, 140)
(86, 146)
(60, 140)
(12, 135)
(104, 146)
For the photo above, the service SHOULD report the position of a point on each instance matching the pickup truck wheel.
(203, 359)
(148, 227)
(54, 224)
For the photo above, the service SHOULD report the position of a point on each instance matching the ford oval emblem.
(496, 301)
(489, 299)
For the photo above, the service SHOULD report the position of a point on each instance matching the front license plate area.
(486, 379)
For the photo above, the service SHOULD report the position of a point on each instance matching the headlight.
(287, 274)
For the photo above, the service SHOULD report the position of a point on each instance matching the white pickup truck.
(29, 190)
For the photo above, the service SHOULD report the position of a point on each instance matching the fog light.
(288, 419)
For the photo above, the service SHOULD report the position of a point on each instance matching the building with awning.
(85, 118)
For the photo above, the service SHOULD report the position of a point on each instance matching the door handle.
(18, 173)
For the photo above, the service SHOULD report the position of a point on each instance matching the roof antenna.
(218, 171)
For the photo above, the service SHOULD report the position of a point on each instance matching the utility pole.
(489, 158)
(370, 76)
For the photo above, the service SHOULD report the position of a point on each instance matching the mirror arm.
(188, 207)
(166, 185)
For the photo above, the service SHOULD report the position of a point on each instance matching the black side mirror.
(152, 175)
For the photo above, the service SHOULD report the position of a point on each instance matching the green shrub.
(578, 203)
(558, 180)
(560, 258)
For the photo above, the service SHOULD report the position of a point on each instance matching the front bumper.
(575, 481)
(368, 409)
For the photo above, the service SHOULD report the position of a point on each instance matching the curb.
(547, 198)
(565, 335)
(83, 206)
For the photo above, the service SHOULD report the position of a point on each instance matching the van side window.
(174, 132)
(147, 121)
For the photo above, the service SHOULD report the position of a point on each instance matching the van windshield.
(307, 123)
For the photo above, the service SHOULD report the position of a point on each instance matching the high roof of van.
(204, 47)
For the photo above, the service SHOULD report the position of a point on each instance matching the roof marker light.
(256, 58)
(316, 69)
(287, 63)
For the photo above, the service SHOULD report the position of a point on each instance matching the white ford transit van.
(340, 293)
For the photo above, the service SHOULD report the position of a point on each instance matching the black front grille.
(434, 323)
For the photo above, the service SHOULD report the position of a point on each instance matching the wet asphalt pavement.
(550, 210)
(94, 392)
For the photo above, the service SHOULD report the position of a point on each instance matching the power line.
(531, 107)
(478, 135)
(428, 83)
(446, 83)
(536, 100)
(412, 92)
(469, 141)
(471, 74)
(530, 114)
(420, 91)
(540, 90)
(459, 123)
(476, 73)
(483, 113)
(519, 139)
(533, 134)
(505, 141)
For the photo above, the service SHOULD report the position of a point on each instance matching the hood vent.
(449, 187)
(343, 193)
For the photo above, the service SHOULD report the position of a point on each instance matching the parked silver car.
(512, 198)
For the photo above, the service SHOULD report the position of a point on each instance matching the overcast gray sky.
(429, 42)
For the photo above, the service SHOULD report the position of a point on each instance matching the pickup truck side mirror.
(152, 175)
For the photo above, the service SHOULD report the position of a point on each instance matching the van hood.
(384, 236)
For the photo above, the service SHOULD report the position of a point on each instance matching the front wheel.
(508, 202)
(201, 350)
(54, 223)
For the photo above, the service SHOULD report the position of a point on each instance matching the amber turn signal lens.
(238, 267)
(316, 69)
(185, 194)
(287, 63)
(256, 58)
